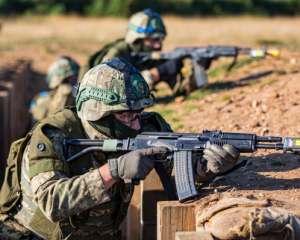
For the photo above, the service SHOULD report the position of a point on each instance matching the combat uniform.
(144, 24)
(58, 79)
(54, 199)
(47, 102)
(53, 193)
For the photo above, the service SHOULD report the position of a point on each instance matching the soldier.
(145, 33)
(61, 77)
(88, 198)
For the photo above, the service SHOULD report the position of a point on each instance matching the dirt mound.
(261, 97)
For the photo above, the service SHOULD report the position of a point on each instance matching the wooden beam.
(174, 217)
(193, 236)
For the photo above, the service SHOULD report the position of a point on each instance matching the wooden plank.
(14, 104)
(133, 216)
(174, 217)
(4, 129)
(193, 236)
(143, 208)
(152, 192)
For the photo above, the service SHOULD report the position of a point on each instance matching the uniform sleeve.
(113, 53)
(59, 196)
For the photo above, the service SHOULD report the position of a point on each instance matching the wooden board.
(14, 104)
(142, 215)
(4, 131)
(193, 236)
(174, 217)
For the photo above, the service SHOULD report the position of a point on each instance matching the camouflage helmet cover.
(61, 69)
(145, 24)
(105, 90)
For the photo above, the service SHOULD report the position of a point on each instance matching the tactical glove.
(218, 159)
(135, 164)
(170, 67)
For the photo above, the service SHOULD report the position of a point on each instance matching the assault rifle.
(180, 147)
(200, 56)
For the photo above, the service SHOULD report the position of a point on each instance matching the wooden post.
(152, 191)
(193, 236)
(174, 217)
(133, 216)
(4, 131)
(143, 208)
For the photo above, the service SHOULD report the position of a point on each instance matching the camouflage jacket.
(60, 200)
(123, 50)
(46, 103)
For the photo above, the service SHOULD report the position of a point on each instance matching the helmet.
(144, 24)
(112, 86)
(61, 69)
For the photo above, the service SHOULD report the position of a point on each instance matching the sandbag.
(238, 217)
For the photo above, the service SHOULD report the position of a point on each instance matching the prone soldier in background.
(88, 198)
(61, 77)
(145, 33)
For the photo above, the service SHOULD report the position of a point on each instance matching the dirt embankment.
(260, 97)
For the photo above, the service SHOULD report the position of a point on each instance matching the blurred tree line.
(124, 8)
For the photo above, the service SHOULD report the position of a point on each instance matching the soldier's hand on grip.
(135, 164)
(170, 67)
(220, 159)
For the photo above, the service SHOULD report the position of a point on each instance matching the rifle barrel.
(269, 146)
(268, 139)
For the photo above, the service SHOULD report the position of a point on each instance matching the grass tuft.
(165, 113)
(177, 127)
(198, 94)
(190, 107)
(268, 83)
(251, 84)
(276, 162)
(217, 71)
(226, 97)
(280, 72)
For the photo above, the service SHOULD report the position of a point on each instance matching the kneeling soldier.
(49, 198)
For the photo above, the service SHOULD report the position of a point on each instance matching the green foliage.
(276, 162)
(165, 113)
(124, 8)
(198, 94)
(190, 107)
(221, 69)
(177, 127)
(267, 83)
(280, 72)
(252, 84)
(218, 70)
(226, 97)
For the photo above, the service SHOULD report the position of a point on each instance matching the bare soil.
(261, 97)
